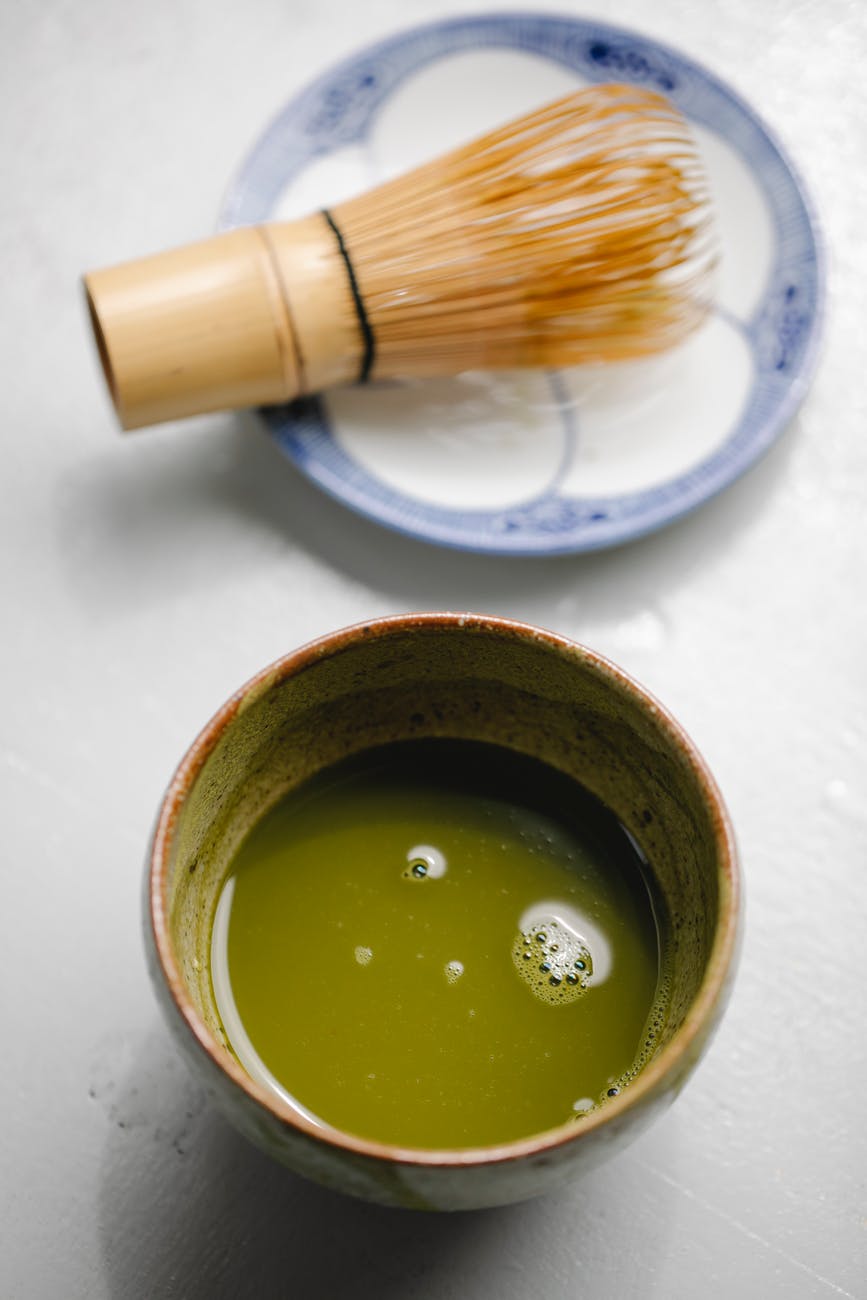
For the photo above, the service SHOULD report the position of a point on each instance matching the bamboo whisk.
(580, 233)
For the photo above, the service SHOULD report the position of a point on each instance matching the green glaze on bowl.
(461, 676)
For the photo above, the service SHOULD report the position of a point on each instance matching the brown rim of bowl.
(701, 1012)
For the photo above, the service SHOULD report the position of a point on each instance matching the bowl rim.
(704, 1009)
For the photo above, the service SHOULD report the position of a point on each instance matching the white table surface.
(145, 577)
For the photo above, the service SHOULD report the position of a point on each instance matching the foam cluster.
(553, 961)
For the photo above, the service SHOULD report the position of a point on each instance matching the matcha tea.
(439, 944)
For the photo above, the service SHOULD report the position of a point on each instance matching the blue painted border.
(338, 109)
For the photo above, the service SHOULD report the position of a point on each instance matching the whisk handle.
(256, 316)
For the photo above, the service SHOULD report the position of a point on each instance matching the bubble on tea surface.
(454, 971)
(561, 966)
(536, 923)
(425, 862)
(363, 955)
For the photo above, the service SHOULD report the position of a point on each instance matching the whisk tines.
(581, 234)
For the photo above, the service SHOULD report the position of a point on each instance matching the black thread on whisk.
(363, 322)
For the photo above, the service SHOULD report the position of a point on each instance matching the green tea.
(439, 944)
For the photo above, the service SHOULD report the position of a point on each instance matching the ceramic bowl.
(463, 676)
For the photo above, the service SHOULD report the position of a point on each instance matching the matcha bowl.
(457, 678)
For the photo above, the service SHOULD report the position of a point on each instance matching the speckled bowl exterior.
(466, 676)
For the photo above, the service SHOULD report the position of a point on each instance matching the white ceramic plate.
(546, 462)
